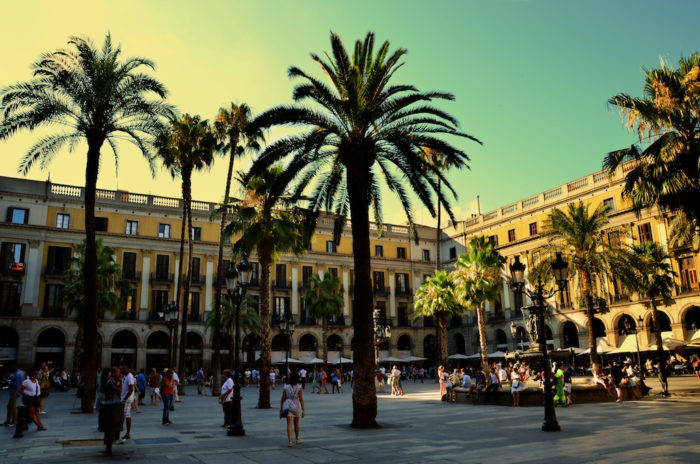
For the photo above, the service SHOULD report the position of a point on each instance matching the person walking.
(200, 381)
(154, 382)
(127, 396)
(617, 373)
(560, 395)
(113, 392)
(334, 382)
(568, 384)
(176, 393)
(141, 385)
(302, 376)
(45, 385)
(633, 389)
(167, 387)
(292, 402)
(314, 380)
(226, 398)
(516, 386)
(323, 381)
(16, 380)
(31, 394)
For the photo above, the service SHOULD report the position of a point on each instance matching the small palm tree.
(267, 225)
(577, 232)
(436, 298)
(684, 233)
(361, 132)
(324, 299)
(111, 288)
(249, 320)
(186, 146)
(96, 97)
(645, 268)
(236, 137)
(479, 278)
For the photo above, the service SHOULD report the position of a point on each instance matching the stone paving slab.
(417, 428)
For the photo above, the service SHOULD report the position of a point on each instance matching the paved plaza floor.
(416, 428)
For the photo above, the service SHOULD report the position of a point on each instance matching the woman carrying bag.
(31, 394)
(292, 406)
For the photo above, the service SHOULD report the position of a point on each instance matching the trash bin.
(111, 420)
(22, 420)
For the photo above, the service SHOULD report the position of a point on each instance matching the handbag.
(625, 381)
(284, 413)
(515, 384)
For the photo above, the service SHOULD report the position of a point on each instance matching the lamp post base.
(235, 430)
(550, 426)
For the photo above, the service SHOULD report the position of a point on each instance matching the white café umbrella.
(458, 356)
(341, 361)
(290, 361)
(413, 358)
(390, 359)
(313, 360)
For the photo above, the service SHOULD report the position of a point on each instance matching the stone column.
(30, 296)
(392, 295)
(145, 279)
(209, 283)
(506, 300)
(295, 290)
(346, 294)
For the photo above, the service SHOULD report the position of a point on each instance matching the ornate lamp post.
(629, 329)
(382, 333)
(287, 329)
(237, 285)
(538, 297)
(170, 317)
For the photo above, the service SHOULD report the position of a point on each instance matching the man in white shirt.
(502, 374)
(302, 374)
(467, 382)
(273, 376)
(176, 378)
(128, 398)
(226, 398)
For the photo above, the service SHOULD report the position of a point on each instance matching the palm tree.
(249, 320)
(234, 134)
(666, 172)
(684, 233)
(577, 233)
(478, 279)
(358, 131)
(266, 226)
(436, 298)
(111, 288)
(324, 299)
(645, 268)
(95, 96)
(187, 145)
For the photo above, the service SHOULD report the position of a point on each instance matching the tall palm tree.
(358, 133)
(645, 268)
(267, 225)
(111, 289)
(186, 146)
(249, 320)
(94, 96)
(324, 299)
(666, 171)
(478, 277)
(577, 233)
(233, 132)
(436, 298)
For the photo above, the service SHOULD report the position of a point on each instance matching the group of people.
(33, 388)
(626, 375)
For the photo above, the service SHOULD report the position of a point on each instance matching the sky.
(531, 78)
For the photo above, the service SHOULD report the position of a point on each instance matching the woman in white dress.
(293, 402)
(516, 386)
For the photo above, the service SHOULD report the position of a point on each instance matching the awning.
(602, 346)
(458, 356)
(628, 345)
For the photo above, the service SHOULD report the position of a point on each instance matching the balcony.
(197, 280)
(126, 316)
(498, 317)
(403, 321)
(132, 276)
(53, 312)
(404, 291)
(12, 269)
(337, 321)
(159, 278)
(684, 290)
(53, 271)
(11, 311)
(282, 285)
(195, 317)
(381, 290)
(153, 316)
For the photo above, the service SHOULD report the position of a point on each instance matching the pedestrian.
(226, 399)
(442, 377)
(600, 378)
(334, 382)
(493, 384)
(167, 387)
(568, 384)
(633, 381)
(176, 393)
(516, 386)
(246, 377)
(480, 380)
(617, 374)
(314, 380)
(200, 380)
(31, 397)
(16, 380)
(127, 396)
(45, 384)
(293, 403)
(467, 383)
(141, 384)
(154, 382)
(101, 382)
(273, 378)
(560, 395)
(113, 392)
(302, 376)
(340, 381)
(324, 380)
(662, 372)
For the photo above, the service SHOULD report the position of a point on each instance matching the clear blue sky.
(531, 77)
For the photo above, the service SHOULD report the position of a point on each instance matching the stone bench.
(532, 396)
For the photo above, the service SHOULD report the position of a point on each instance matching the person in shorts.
(127, 396)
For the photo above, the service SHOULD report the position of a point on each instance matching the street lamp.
(635, 329)
(382, 333)
(236, 286)
(287, 329)
(171, 318)
(538, 297)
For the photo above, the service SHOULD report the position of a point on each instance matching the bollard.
(22, 420)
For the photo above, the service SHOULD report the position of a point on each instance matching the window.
(381, 306)
(17, 215)
(610, 203)
(57, 260)
(255, 273)
(533, 228)
(227, 239)
(494, 239)
(689, 275)
(645, 232)
(10, 293)
(517, 303)
(163, 267)
(194, 305)
(378, 279)
(12, 257)
(403, 315)
(101, 224)
(159, 301)
(401, 252)
(53, 300)
(197, 233)
(511, 235)
(453, 252)
(330, 247)
(379, 251)
(333, 271)
(63, 221)
(614, 240)
(163, 230)
(132, 227)
(306, 272)
(196, 269)
(281, 304)
(426, 256)
(129, 304)
(401, 282)
(129, 265)
(281, 275)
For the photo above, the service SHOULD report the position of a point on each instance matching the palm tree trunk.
(78, 351)
(325, 342)
(181, 263)
(216, 339)
(187, 194)
(437, 232)
(442, 338)
(660, 354)
(481, 322)
(265, 263)
(89, 365)
(590, 313)
(364, 395)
